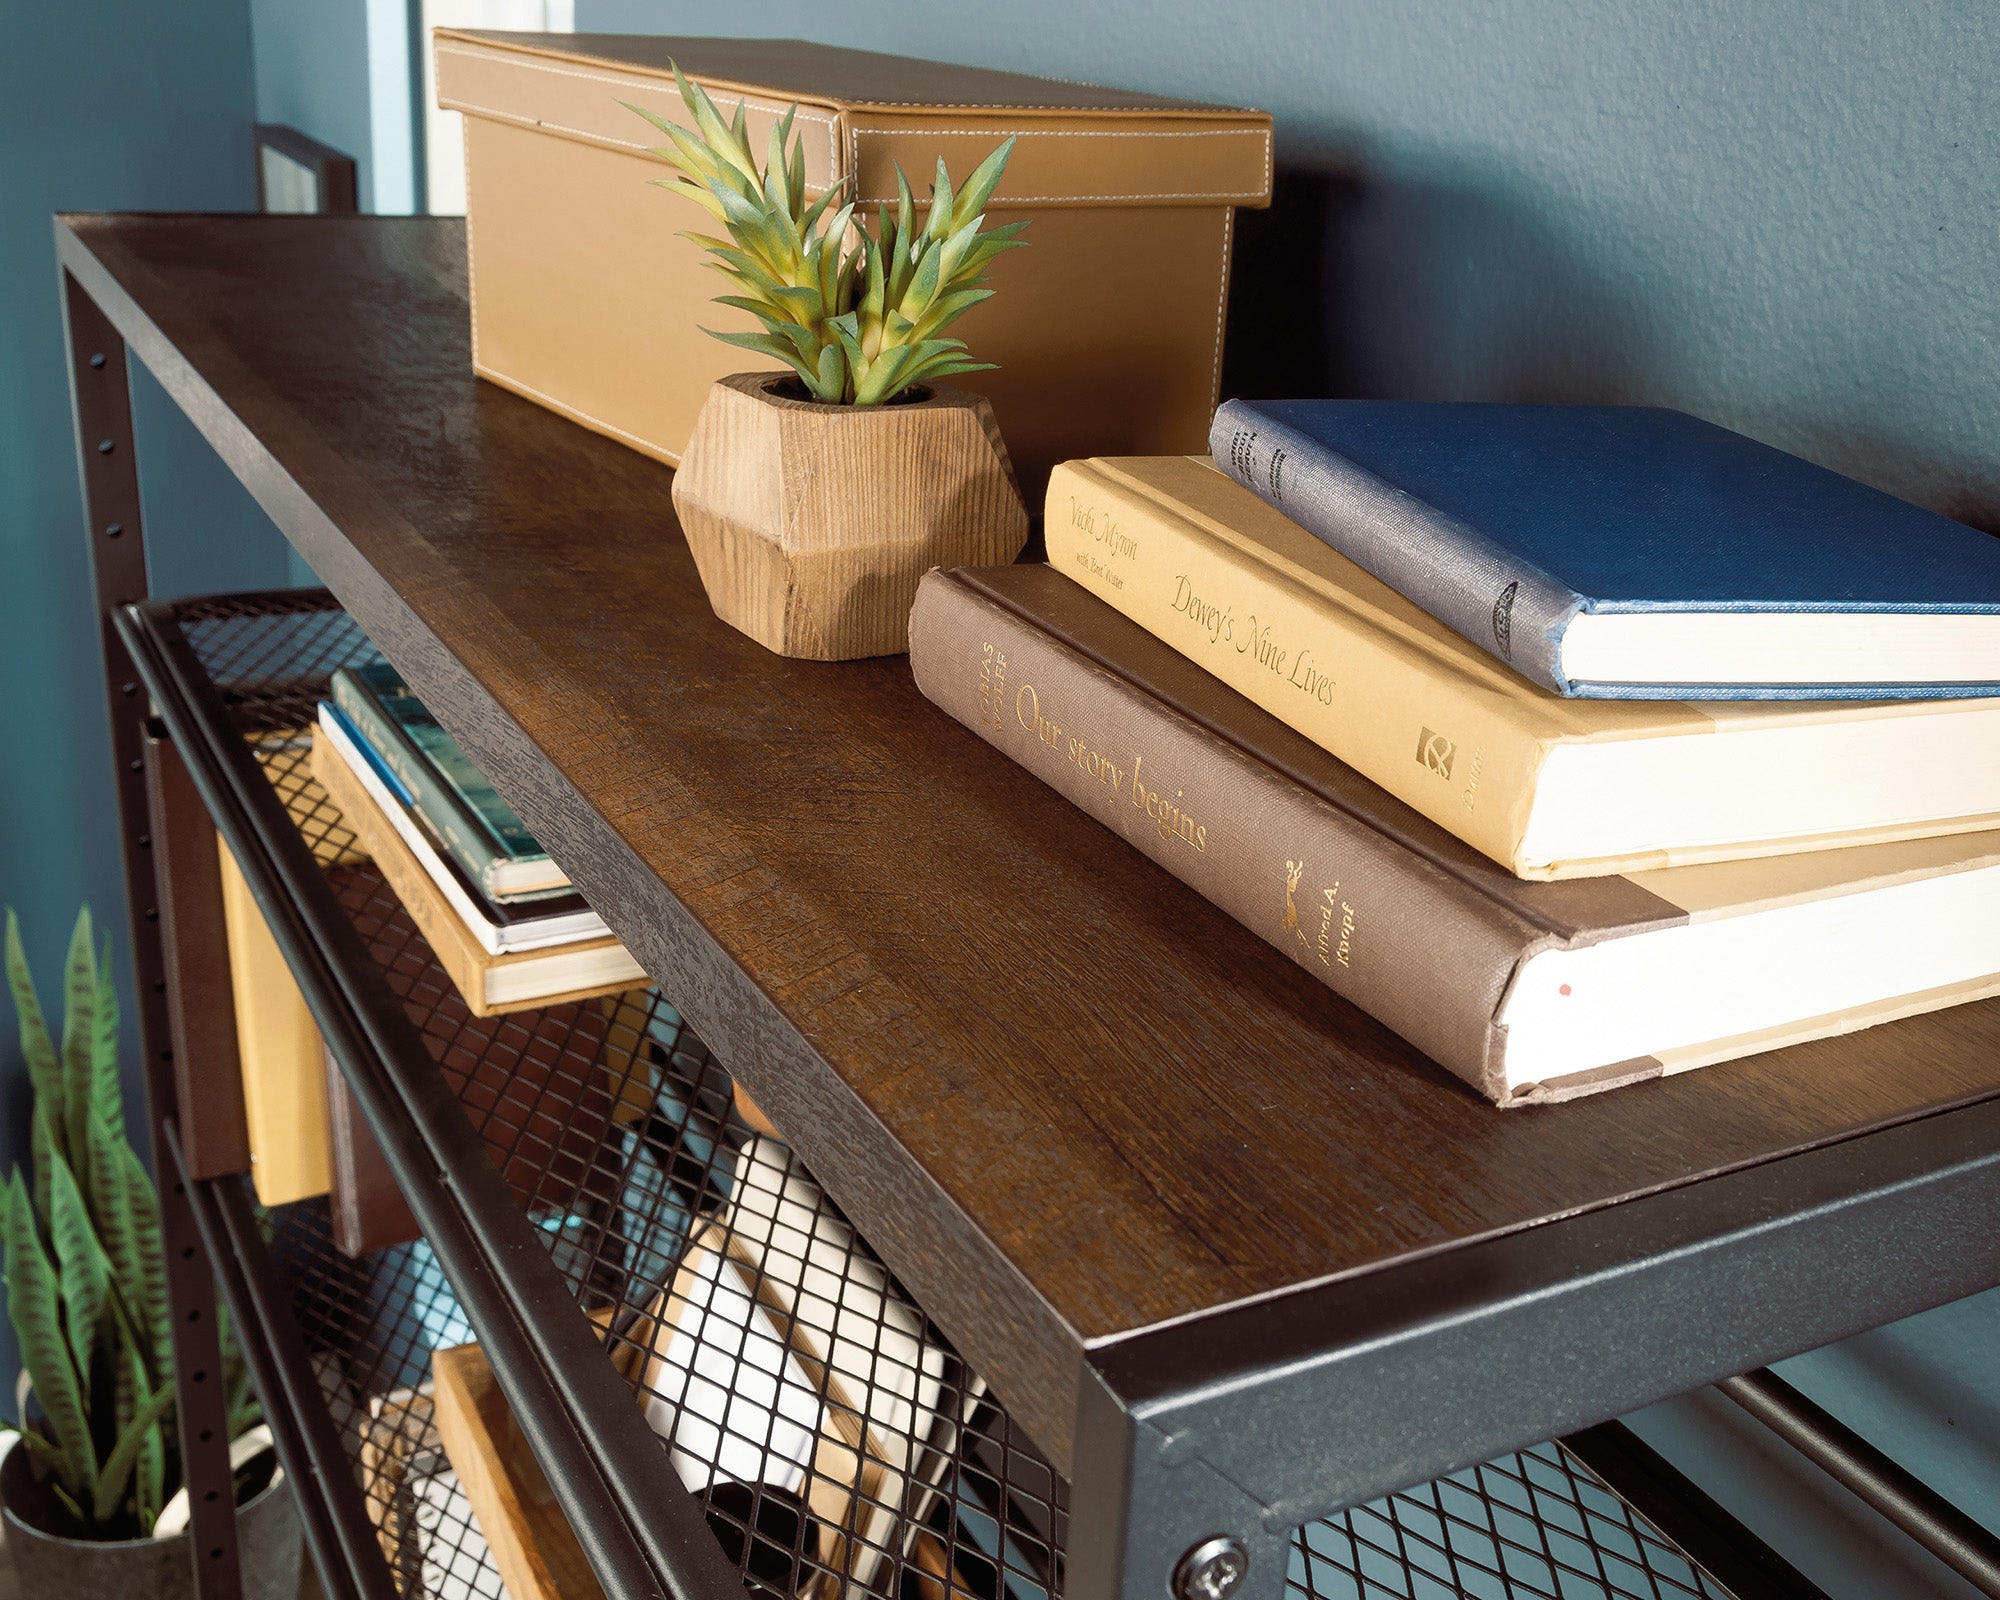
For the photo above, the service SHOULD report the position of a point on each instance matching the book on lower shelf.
(436, 779)
(1530, 991)
(799, 1392)
(278, 1045)
(1548, 787)
(555, 959)
(506, 1493)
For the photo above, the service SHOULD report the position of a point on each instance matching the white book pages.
(848, 1319)
(721, 1385)
(451, 1549)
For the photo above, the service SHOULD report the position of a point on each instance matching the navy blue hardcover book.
(1625, 552)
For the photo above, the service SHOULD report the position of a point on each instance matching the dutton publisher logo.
(1503, 620)
(1435, 751)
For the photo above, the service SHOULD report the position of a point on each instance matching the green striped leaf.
(107, 1100)
(144, 1210)
(109, 1486)
(128, 1229)
(79, 1043)
(32, 1305)
(44, 1067)
(84, 1273)
(43, 1149)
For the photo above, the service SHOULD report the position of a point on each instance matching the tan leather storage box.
(1107, 327)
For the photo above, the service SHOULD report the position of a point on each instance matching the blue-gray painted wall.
(104, 104)
(312, 74)
(1783, 215)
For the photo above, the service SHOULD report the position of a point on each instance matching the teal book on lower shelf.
(439, 782)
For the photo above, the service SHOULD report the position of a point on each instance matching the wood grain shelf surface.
(1063, 1096)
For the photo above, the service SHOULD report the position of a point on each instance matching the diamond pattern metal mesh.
(837, 1444)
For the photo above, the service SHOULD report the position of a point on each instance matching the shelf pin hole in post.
(105, 447)
(98, 359)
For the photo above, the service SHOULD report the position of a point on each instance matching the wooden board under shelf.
(529, 1537)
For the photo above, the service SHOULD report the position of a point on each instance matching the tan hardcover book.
(1529, 991)
(278, 1046)
(491, 985)
(1547, 787)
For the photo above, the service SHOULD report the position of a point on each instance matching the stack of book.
(1578, 745)
(502, 918)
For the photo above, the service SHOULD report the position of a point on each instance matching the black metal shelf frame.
(641, 1534)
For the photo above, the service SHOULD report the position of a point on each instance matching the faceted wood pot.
(811, 524)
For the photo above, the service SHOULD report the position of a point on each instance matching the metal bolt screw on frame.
(1212, 1570)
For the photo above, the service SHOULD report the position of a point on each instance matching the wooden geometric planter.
(811, 524)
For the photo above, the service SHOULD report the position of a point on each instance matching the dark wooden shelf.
(1067, 1099)
(341, 1344)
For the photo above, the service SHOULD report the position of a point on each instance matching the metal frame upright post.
(101, 405)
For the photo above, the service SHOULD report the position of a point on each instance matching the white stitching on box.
(539, 122)
(1005, 200)
(771, 108)
(471, 277)
(506, 58)
(1079, 133)
(1221, 307)
(855, 131)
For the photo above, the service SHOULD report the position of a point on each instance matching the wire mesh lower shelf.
(1537, 1525)
(836, 1443)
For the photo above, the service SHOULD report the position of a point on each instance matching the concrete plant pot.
(267, 1532)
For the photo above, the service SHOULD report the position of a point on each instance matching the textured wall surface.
(104, 105)
(312, 74)
(1781, 215)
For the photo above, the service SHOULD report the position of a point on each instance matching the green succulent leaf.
(980, 186)
(857, 315)
(79, 1045)
(107, 1101)
(68, 1502)
(47, 1454)
(151, 1295)
(33, 1304)
(44, 1149)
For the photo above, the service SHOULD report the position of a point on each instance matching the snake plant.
(859, 317)
(86, 1280)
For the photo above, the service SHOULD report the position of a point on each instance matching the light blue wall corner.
(339, 72)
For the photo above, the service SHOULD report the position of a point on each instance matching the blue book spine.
(1510, 608)
(369, 754)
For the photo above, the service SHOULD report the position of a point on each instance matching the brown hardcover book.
(368, 1210)
(1530, 991)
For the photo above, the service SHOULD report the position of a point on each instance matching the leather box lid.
(862, 114)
